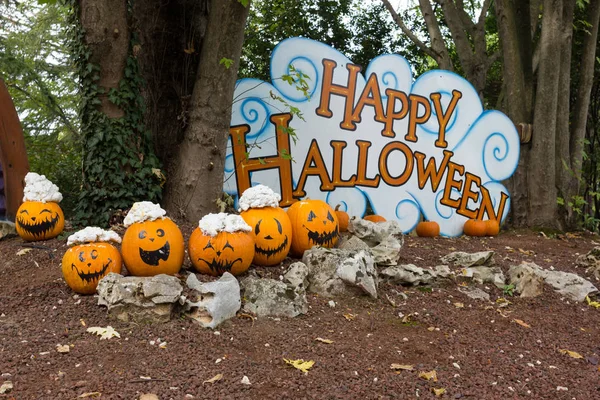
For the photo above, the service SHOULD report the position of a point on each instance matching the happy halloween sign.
(411, 149)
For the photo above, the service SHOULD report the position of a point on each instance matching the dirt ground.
(478, 351)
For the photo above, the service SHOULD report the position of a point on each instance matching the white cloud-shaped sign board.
(412, 149)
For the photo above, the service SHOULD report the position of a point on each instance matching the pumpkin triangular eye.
(329, 216)
(208, 246)
(311, 216)
(279, 228)
(257, 227)
(228, 245)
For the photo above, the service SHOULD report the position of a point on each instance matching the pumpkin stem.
(337, 208)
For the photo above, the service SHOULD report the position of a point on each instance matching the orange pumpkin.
(153, 247)
(314, 223)
(39, 221)
(343, 218)
(428, 229)
(374, 218)
(272, 231)
(492, 227)
(475, 227)
(84, 265)
(225, 252)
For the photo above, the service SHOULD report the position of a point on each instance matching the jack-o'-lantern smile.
(322, 238)
(44, 223)
(153, 257)
(92, 276)
(269, 251)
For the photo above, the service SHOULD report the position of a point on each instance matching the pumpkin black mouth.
(91, 276)
(271, 252)
(38, 229)
(153, 257)
(220, 266)
(322, 238)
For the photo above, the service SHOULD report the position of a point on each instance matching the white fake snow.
(213, 224)
(93, 234)
(39, 188)
(258, 196)
(143, 211)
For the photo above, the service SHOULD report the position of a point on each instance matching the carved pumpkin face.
(272, 231)
(153, 247)
(314, 223)
(39, 221)
(84, 265)
(225, 252)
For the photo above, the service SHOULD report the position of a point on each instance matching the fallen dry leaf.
(302, 365)
(570, 353)
(22, 252)
(324, 340)
(63, 349)
(90, 394)
(459, 305)
(591, 303)
(522, 323)
(214, 379)
(431, 375)
(406, 319)
(402, 367)
(82, 322)
(526, 252)
(431, 328)
(349, 316)
(438, 392)
(104, 333)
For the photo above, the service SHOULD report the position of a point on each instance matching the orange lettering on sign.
(371, 96)
(383, 164)
(338, 147)
(329, 89)
(451, 183)
(315, 166)
(487, 207)
(443, 119)
(468, 194)
(392, 114)
(430, 172)
(363, 155)
(244, 165)
(414, 119)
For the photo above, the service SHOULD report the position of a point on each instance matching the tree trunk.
(541, 171)
(107, 37)
(197, 180)
(170, 34)
(515, 35)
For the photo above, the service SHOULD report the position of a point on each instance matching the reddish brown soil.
(498, 358)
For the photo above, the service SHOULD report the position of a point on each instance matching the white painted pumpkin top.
(258, 196)
(39, 188)
(143, 211)
(213, 224)
(92, 234)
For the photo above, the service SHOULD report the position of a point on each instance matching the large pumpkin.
(492, 227)
(39, 221)
(475, 227)
(428, 229)
(272, 231)
(314, 223)
(84, 265)
(374, 218)
(153, 247)
(226, 252)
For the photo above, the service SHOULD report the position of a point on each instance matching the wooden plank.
(13, 155)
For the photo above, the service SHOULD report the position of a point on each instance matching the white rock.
(296, 275)
(217, 301)
(7, 229)
(245, 381)
(465, 260)
(6, 387)
(486, 274)
(373, 233)
(331, 303)
(270, 297)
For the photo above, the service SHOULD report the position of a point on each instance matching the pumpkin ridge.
(271, 252)
(153, 257)
(41, 228)
(91, 276)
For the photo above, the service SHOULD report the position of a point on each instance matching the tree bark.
(107, 37)
(541, 172)
(437, 41)
(197, 180)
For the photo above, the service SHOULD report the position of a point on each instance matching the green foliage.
(508, 290)
(227, 62)
(119, 166)
(42, 84)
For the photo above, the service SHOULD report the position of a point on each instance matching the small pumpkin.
(343, 218)
(314, 223)
(475, 227)
(428, 229)
(221, 243)
(374, 218)
(90, 259)
(39, 221)
(151, 246)
(492, 227)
